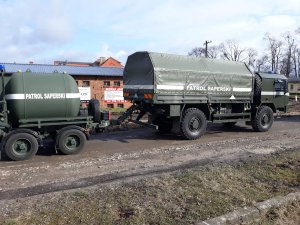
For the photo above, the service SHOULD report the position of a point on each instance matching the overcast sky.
(75, 30)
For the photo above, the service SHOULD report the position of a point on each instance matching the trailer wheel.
(94, 110)
(263, 120)
(21, 146)
(71, 141)
(193, 124)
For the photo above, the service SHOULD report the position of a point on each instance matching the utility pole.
(206, 51)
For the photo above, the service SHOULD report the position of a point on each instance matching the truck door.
(280, 93)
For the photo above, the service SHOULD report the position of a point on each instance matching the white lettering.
(34, 96)
(219, 89)
(195, 88)
(54, 95)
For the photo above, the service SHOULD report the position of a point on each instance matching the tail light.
(148, 96)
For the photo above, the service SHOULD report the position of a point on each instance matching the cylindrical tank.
(40, 96)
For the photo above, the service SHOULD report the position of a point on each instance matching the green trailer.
(36, 106)
(181, 93)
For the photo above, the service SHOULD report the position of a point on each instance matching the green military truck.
(35, 107)
(182, 93)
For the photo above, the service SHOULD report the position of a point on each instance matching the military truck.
(35, 107)
(182, 93)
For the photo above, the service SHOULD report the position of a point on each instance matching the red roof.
(111, 62)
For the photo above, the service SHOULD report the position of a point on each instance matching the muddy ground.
(132, 154)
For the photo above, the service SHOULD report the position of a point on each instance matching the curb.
(250, 214)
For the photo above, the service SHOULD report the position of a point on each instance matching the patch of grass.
(115, 110)
(288, 214)
(179, 198)
(11, 222)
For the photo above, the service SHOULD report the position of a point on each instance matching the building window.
(85, 83)
(117, 83)
(110, 106)
(106, 83)
(120, 105)
(292, 87)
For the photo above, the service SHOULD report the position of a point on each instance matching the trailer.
(181, 94)
(35, 107)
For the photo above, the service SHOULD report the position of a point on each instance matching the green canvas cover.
(176, 74)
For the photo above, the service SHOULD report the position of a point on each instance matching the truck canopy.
(167, 73)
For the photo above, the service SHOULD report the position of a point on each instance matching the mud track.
(119, 156)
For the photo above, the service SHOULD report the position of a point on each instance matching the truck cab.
(274, 91)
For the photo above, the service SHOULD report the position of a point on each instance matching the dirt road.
(138, 152)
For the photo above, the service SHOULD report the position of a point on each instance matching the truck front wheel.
(21, 146)
(71, 141)
(263, 120)
(193, 124)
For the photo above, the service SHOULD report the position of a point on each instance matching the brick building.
(100, 82)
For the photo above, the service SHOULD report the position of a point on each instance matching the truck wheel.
(263, 120)
(71, 141)
(193, 124)
(21, 146)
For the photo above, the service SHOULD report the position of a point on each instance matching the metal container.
(35, 95)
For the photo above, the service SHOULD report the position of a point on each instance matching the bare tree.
(231, 50)
(296, 61)
(274, 48)
(290, 49)
(197, 51)
(261, 63)
(212, 52)
(252, 57)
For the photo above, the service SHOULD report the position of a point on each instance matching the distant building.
(110, 62)
(294, 87)
(102, 61)
(102, 83)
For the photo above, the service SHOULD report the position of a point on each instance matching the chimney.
(100, 61)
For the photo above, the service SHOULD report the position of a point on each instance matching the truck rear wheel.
(193, 124)
(71, 141)
(263, 120)
(21, 146)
